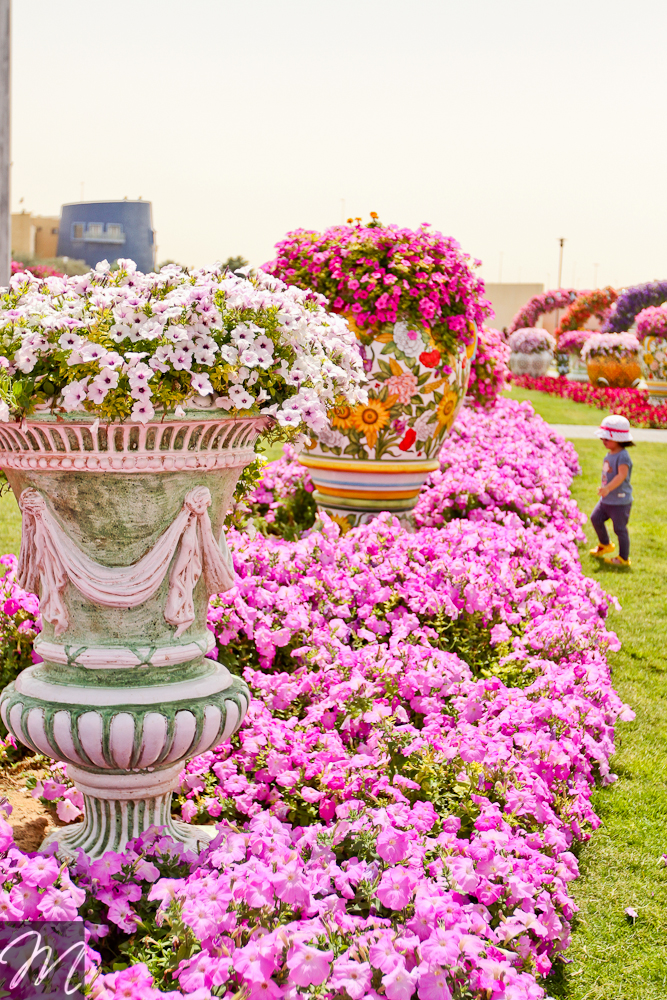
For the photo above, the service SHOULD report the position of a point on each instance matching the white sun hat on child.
(615, 428)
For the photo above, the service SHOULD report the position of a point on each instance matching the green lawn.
(10, 524)
(555, 410)
(611, 958)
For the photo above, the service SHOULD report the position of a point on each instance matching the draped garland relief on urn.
(124, 472)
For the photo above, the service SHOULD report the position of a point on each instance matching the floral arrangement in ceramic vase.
(609, 344)
(651, 331)
(651, 322)
(414, 303)
(121, 345)
(531, 341)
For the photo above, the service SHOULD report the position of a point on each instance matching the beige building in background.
(507, 299)
(35, 235)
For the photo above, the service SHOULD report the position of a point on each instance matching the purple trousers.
(619, 514)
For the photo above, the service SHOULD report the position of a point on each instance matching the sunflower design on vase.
(377, 455)
(414, 305)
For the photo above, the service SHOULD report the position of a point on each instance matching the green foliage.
(236, 518)
(234, 263)
(295, 515)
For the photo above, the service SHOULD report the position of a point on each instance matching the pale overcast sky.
(505, 123)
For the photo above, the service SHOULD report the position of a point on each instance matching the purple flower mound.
(398, 814)
(631, 302)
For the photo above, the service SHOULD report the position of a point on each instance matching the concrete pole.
(5, 215)
(561, 241)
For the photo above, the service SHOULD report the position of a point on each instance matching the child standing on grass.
(615, 493)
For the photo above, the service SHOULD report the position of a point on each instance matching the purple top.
(623, 493)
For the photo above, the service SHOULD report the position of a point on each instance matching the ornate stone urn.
(535, 363)
(123, 542)
(376, 456)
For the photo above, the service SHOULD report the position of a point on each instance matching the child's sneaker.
(617, 561)
(602, 550)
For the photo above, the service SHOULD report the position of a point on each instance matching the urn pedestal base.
(120, 807)
(125, 760)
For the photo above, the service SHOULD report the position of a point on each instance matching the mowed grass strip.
(555, 410)
(612, 958)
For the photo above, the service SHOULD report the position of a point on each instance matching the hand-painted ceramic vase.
(616, 370)
(376, 456)
(654, 357)
(122, 541)
(535, 363)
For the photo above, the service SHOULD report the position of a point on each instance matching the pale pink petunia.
(395, 888)
(353, 977)
(57, 904)
(433, 986)
(399, 984)
(308, 966)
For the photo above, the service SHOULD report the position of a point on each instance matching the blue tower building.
(105, 230)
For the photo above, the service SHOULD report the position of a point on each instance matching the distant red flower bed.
(630, 403)
(40, 270)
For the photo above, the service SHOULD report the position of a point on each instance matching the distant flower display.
(621, 344)
(540, 305)
(39, 270)
(632, 301)
(628, 402)
(597, 303)
(531, 341)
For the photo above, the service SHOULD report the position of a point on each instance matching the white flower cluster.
(610, 343)
(531, 340)
(109, 340)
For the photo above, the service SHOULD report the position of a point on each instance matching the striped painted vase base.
(372, 507)
(357, 491)
(657, 391)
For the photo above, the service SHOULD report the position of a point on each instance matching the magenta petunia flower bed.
(399, 814)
